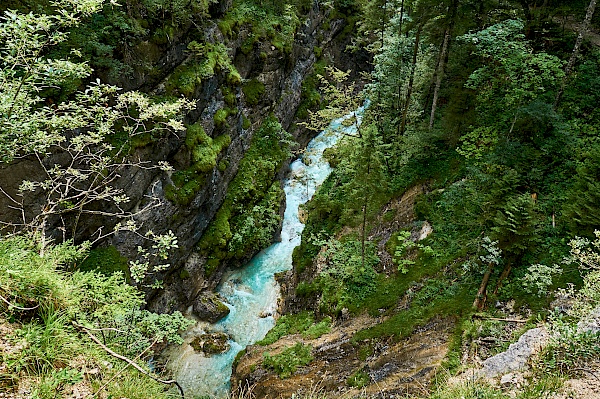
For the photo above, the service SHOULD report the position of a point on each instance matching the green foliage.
(28, 125)
(204, 152)
(318, 329)
(358, 379)
(255, 227)
(287, 362)
(300, 323)
(404, 245)
(318, 51)
(106, 261)
(208, 59)
(55, 381)
(288, 324)
(220, 117)
(469, 390)
(253, 91)
(539, 279)
(513, 75)
(345, 281)
(30, 280)
(186, 78)
(515, 224)
(180, 11)
(277, 23)
(310, 96)
(61, 305)
(572, 344)
(581, 207)
(246, 221)
(246, 124)
(91, 137)
(570, 349)
(50, 345)
(229, 96)
(477, 142)
(436, 297)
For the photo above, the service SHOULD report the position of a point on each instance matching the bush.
(358, 379)
(318, 329)
(286, 363)
(346, 281)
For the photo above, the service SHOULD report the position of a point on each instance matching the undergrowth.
(48, 315)
(300, 323)
(287, 362)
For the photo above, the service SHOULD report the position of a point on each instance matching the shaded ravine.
(252, 292)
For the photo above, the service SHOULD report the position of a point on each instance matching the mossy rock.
(253, 90)
(208, 307)
(211, 344)
(246, 124)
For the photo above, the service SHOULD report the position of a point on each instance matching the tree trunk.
(411, 80)
(383, 23)
(528, 18)
(442, 61)
(401, 19)
(526, 11)
(364, 223)
(481, 294)
(379, 114)
(582, 31)
(479, 16)
(503, 277)
(430, 86)
(399, 83)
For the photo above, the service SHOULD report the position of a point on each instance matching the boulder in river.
(209, 307)
(211, 343)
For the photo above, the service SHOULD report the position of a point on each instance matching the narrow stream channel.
(252, 292)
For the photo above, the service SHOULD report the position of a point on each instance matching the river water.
(251, 292)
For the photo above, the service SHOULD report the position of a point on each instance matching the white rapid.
(252, 292)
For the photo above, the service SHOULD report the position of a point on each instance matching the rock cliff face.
(281, 73)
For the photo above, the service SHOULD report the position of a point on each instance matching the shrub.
(358, 379)
(286, 363)
(288, 324)
(318, 329)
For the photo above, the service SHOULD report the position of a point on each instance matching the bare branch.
(129, 361)
(11, 305)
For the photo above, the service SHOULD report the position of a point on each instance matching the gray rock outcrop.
(515, 358)
(591, 323)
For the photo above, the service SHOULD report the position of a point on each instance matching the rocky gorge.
(268, 80)
(199, 224)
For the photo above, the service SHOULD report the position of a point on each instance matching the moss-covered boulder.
(209, 307)
(211, 343)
